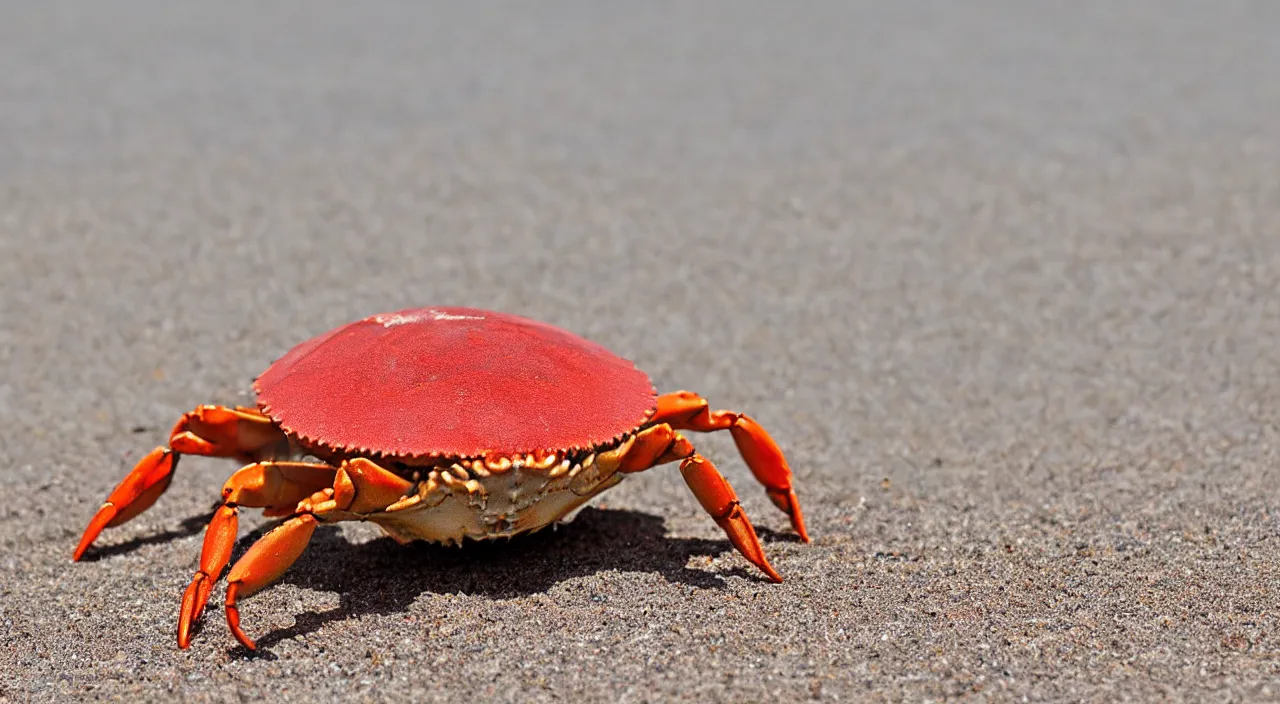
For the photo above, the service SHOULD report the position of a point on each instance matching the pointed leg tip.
(192, 607)
(244, 639)
(96, 524)
(788, 503)
(83, 547)
(233, 617)
(748, 545)
(798, 524)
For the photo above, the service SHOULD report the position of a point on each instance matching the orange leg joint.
(358, 486)
(270, 485)
(215, 431)
(685, 410)
(264, 563)
(660, 444)
(140, 488)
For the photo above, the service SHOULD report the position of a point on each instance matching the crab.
(439, 424)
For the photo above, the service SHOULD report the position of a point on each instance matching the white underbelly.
(516, 501)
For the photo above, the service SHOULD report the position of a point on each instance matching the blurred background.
(1000, 277)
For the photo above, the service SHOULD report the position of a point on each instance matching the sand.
(1001, 280)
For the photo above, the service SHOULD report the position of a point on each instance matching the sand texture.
(1002, 278)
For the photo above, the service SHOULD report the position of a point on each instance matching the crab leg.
(216, 431)
(359, 487)
(660, 444)
(276, 486)
(685, 410)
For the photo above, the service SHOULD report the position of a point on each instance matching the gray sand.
(1002, 281)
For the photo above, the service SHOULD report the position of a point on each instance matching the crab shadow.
(382, 577)
(189, 527)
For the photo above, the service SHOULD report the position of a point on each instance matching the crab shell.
(509, 424)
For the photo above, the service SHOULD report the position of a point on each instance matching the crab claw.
(135, 494)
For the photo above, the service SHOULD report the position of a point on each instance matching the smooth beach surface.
(1000, 279)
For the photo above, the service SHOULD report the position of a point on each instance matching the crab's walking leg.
(660, 444)
(216, 431)
(272, 485)
(360, 487)
(685, 410)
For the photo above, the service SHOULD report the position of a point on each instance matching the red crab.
(438, 424)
